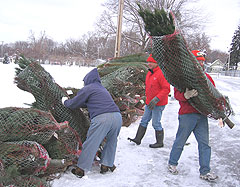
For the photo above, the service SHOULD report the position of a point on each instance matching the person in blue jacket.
(106, 122)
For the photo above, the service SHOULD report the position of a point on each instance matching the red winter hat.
(151, 59)
(199, 55)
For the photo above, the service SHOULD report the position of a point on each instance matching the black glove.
(153, 103)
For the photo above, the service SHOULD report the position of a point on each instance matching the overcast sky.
(60, 19)
(65, 19)
(224, 19)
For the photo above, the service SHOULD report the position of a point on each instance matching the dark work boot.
(78, 172)
(140, 133)
(159, 138)
(105, 169)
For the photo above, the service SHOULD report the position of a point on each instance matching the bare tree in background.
(74, 47)
(41, 47)
(199, 42)
(188, 20)
(213, 55)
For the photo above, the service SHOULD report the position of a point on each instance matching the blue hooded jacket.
(93, 96)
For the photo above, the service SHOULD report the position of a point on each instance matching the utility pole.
(119, 28)
(229, 61)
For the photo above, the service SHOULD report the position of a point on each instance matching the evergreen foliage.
(157, 22)
(17, 124)
(235, 49)
(22, 63)
(9, 173)
(140, 57)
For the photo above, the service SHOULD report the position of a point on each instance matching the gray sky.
(60, 19)
(65, 19)
(224, 19)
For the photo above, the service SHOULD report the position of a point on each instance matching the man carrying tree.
(190, 120)
(157, 90)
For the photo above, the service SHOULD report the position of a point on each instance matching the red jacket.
(185, 107)
(157, 85)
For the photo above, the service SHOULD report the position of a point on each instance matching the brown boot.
(78, 172)
(105, 169)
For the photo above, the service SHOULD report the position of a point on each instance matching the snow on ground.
(141, 166)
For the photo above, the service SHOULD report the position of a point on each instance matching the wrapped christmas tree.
(23, 158)
(30, 158)
(180, 67)
(17, 124)
(66, 144)
(33, 78)
(12, 178)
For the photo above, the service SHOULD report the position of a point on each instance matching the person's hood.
(92, 77)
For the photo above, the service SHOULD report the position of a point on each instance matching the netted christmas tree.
(34, 144)
(66, 144)
(16, 180)
(180, 67)
(29, 157)
(38, 142)
(18, 124)
(33, 78)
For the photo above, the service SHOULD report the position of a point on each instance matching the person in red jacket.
(190, 120)
(156, 91)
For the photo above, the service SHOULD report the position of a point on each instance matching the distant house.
(217, 66)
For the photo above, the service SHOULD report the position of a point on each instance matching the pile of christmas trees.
(43, 140)
(40, 141)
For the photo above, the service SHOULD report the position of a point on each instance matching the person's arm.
(210, 78)
(165, 88)
(79, 101)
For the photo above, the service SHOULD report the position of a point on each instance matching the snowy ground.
(141, 166)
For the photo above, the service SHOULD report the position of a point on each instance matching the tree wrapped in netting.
(180, 67)
(126, 80)
(18, 124)
(30, 158)
(66, 144)
(126, 84)
(12, 178)
(33, 78)
(21, 131)
(60, 140)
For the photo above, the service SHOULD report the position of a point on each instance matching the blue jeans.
(155, 115)
(104, 125)
(198, 124)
